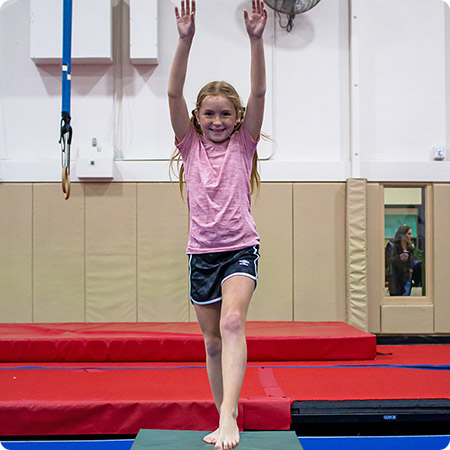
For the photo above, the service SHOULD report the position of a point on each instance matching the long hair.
(224, 89)
(402, 230)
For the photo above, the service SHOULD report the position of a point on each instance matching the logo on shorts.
(244, 262)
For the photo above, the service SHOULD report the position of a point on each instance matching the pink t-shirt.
(218, 192)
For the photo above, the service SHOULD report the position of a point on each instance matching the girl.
(218, 149)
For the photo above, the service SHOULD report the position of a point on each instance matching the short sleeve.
(188, 141)
(246, 140)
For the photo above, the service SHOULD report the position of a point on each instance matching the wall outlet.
(438, 153)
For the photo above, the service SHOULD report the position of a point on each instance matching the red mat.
(123, 401)
(118, 398)
(267, 341)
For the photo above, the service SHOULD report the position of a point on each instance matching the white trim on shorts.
(206, 303)
(190, 296)
(245, 274)
(255, 279)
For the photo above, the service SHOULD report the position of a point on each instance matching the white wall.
(403, 86)
(402, 103)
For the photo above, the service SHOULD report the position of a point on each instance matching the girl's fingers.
(177, 13)
(187, 8)
(263, 7)
(258, 7)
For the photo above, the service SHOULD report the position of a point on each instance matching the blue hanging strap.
(66, 129)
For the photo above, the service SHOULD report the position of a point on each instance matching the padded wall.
(272, 211)
(162, 263)
(319, 251)
(375, 254)
(16, 253)
(111, 288)
(116, 252)
(58, 254)
(441, 209)
(356, 253)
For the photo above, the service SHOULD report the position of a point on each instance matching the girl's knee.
(213, 345)
(232, 323)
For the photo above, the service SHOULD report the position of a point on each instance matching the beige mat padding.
(375, 254)
(356, 260)
(58, 254)
(162, 261)
(319, 252)
(441, 209)
(407, 319)
(16, 253)
(272, 210)
(111, 253)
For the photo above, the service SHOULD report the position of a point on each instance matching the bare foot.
(212, 437)
(228, 436)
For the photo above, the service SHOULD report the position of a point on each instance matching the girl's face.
(217, 118)
(407, 237)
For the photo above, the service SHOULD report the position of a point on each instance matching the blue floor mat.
(308, 443)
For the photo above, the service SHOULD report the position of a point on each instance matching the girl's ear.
(195, 113)
(240, 116)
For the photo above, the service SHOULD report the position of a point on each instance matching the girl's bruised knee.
(213, 346)
(232, 323)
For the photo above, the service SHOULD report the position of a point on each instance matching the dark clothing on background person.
(398, 271)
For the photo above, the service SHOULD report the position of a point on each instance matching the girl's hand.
(186, 20)
(257, 22)
(404, 256)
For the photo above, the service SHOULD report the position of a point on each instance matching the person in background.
(399, 260)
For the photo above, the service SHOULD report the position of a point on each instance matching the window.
(404, 234)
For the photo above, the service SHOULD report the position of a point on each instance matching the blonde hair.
(224, 89)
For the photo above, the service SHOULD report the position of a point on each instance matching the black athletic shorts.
(207, 272)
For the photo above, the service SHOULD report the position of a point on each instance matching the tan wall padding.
(356, 223)
(319, 252)
(407, 319)
(124, 257)
(375, 254)
(162, 262)
(58, 254)
(111, 253)
(16, 278)
(441, 209)
(272, 210)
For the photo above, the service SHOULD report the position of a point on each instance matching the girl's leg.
(236, 295)
(208, 317)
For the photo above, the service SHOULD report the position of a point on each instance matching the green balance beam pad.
(193, 440)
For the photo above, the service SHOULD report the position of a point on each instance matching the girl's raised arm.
(255, 25)
(179, 114)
